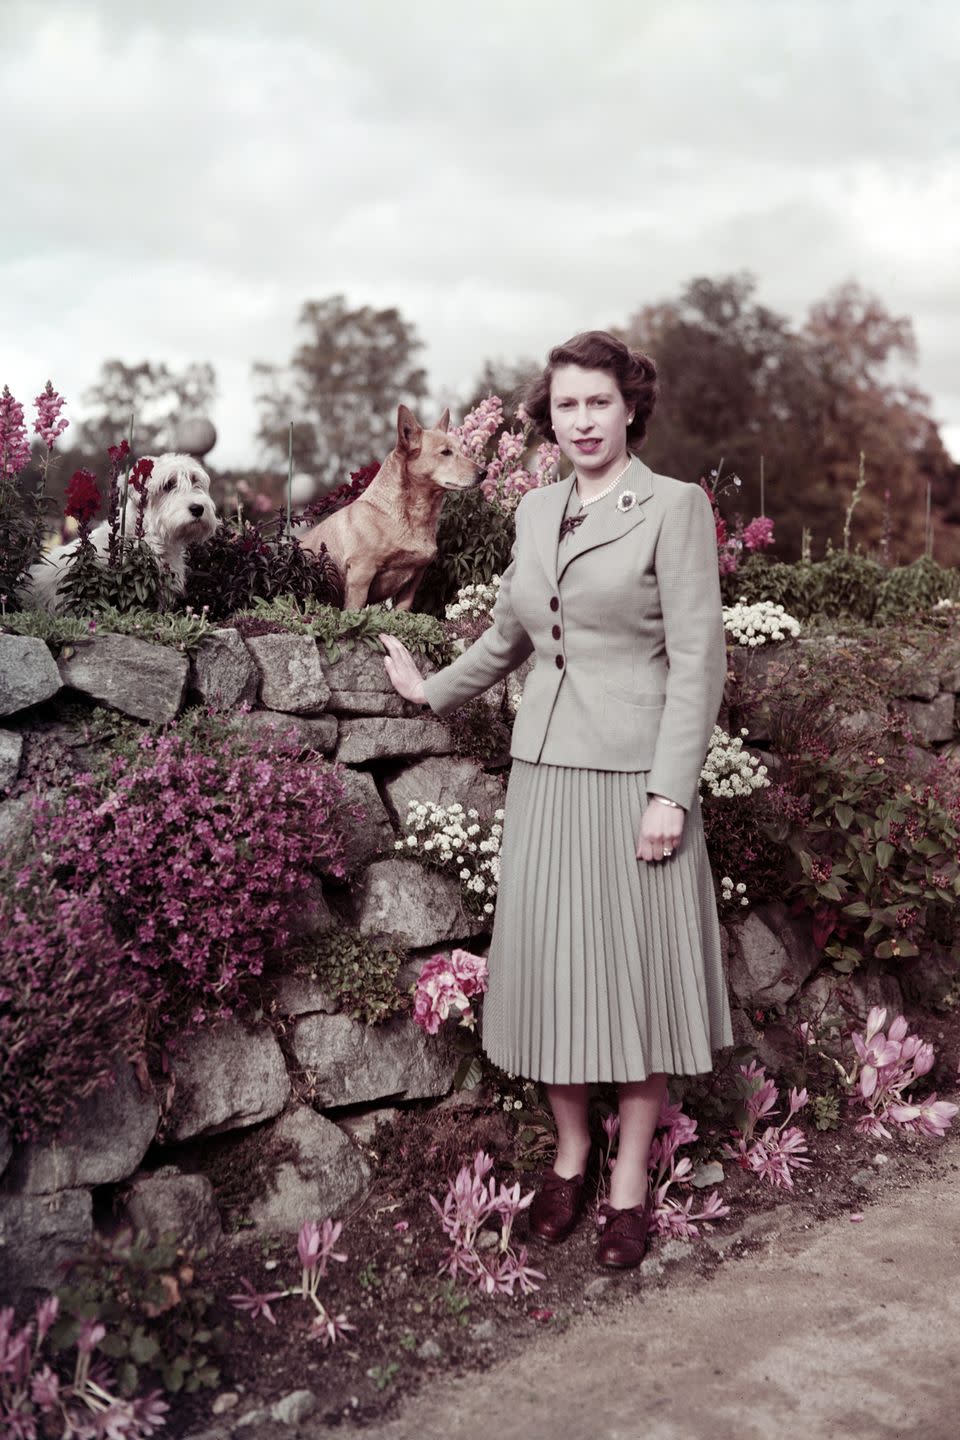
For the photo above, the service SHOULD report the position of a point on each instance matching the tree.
(737, 382)
(156, 396)
(341, 389)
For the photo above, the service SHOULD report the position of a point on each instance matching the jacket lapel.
(602, 525)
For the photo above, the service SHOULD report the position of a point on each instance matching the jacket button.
(555, 632)
(559, 662)
(554, 602)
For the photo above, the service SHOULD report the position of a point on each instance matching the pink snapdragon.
(49, 424)
(448, 983)
(14, 446)
(479, 428)
(887, 1064)
(758, 535)
(470, 1202)
(780, 1150)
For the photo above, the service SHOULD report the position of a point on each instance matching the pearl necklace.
(612, 486)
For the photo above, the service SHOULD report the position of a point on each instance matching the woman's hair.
(634, 372)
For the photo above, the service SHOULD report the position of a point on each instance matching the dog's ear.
(409, 431)
(444, 422)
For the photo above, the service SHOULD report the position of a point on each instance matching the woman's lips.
(587, 444)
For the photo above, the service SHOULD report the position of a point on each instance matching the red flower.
(721, 531)
(141, 473)
(119, 452)
(83, 497)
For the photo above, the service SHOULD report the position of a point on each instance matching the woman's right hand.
(402, 670)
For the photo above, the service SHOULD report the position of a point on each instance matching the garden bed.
(415, 1327)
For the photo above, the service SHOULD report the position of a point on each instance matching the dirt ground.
(787, 1317)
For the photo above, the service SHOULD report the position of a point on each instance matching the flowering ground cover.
(414, 1325)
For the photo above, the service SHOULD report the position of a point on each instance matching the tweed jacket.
(625, 619)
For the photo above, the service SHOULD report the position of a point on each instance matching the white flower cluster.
(450, 836)
(945, 604)
(474, 600)
(729, 769)
(758, 623)
(729, 892)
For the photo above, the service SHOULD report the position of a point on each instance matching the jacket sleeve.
(688, 580)
(500, 649)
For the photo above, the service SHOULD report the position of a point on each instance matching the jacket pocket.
(643, 699)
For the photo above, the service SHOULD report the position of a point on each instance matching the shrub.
(161, 1324)
(474, 539)
(68, 1001)
(198, 856)
(360, 974)
(236, 567)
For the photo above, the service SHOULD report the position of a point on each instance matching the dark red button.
(559, 662)
(554, 603)
(556, 632)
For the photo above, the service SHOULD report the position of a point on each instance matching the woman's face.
(589, 418)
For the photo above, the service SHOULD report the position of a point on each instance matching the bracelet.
(664, 801)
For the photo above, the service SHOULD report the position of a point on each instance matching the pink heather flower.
(48, 424)
(758, 534)
(14, 446)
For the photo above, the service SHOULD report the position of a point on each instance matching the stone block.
(761, 970)
(931, 720)
(374, 834)
(328, 1176)
(222, 671)
(102, 1142)
(28, 673)
(16, 822)
(291, 677)
(38, 1233)
(375, 738)
(226, 1078)
(422, 907)
(310, 914)
(299, 994)
(11, 748)
(133, 676)
(359, 685)
(915, 677)
(167, 1202)
(354, 1064)
(306, 732)
(444, 780)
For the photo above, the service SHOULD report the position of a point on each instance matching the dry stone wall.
(127, 1141)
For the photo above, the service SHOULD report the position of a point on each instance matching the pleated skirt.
(602, 967)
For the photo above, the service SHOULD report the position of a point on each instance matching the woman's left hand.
(660, 831)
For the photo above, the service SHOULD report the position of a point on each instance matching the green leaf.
(885, 853)
(143, 1348)
(844, 814)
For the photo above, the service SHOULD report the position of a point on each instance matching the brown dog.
(384, 540)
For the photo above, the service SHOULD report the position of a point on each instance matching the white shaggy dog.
(178, 512)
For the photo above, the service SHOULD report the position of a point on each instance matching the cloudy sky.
(184, 175)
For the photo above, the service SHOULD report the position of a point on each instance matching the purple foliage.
(68, 1011)
(199, 857)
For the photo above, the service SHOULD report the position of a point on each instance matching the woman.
(605, 960)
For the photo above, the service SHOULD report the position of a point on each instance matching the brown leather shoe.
(556, 1207)
(623, 1239)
